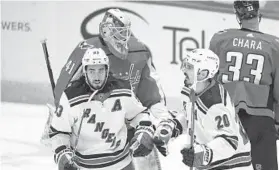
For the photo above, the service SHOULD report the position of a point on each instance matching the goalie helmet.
(201, 59)
(115, 29)
(95, 56)
(246, 10)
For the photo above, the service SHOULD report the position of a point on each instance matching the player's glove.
(142, 142)
(64, 159)
(163, 134)
(199, 156)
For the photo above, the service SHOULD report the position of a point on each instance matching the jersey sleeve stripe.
(120, 95)
(121, 91)
(78, 98)
(102, 160)
(78, 102)
(54, 132)
(223, 94)
(199, 103)
(185, 93)
(200, 108)
(232, 140)
(202, 104)
(238, 160)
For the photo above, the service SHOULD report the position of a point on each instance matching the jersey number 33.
(243, 67)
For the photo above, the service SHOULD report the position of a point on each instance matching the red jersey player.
(249, 69)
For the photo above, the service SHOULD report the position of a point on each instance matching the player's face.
(96, 75)
(188, 70)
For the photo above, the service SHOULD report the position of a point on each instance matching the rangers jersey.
(249, 69)
(102, 141)
(218, 127)
(137, 69)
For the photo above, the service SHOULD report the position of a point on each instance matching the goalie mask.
(246, 10)
(199, 65)
(116, 32)
(95, 67)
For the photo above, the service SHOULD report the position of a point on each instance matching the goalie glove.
(199, 156)
(163, 134)
(142, 142)
(64, 159)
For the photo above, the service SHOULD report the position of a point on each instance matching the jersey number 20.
(237, 67)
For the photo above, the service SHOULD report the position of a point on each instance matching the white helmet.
(115, 29)
(95, 56)
(202, 59)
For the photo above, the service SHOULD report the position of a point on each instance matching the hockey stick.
(45, 135)
(50, 74)
(193, 99)
(193, 114)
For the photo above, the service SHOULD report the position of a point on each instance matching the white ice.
(21, 127)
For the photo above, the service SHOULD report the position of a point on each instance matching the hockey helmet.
(95, 56)
(201, 59)
(246, 10)
(115, 29)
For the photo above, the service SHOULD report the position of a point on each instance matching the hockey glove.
(64, 160)
(142, 142)
(199, 156)
(163, 134)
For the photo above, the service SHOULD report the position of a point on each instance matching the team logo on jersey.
(85, 45)
(86, 112)
(136, 79)
(100, 128)
(59, 111)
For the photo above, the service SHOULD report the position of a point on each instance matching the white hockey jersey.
(102, 143)
(218, 127)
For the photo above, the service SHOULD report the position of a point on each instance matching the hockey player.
(88, 130)
(249, 69)
(130, 60)
(220, 142)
